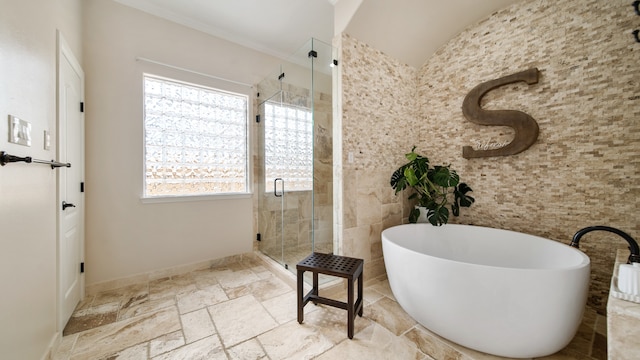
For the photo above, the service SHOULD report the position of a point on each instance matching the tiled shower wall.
(584, 168)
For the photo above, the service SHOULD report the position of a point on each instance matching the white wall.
(27, 191)
(343, 12)
(125, 237)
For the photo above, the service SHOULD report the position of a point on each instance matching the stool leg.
(350, 308)
(315, 285)
(300, 296)
(360, 292)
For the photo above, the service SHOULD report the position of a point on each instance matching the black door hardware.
(66, 205)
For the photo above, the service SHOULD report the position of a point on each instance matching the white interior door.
(70, 181)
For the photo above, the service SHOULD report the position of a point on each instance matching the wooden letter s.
(526, 127)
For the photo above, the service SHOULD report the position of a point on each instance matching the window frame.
(195, 79)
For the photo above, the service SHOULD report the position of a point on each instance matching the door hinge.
(81, 267)
(259, 237)
(281, 76)
(313, 54)
(258, 118)
(82, 106)
(82, 187)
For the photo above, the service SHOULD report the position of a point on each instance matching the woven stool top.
(331, 264)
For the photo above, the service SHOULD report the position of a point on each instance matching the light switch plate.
(19, 131)
(47, 140)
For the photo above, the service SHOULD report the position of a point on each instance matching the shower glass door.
(288, 207)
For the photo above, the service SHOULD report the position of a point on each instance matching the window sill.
(186, 198)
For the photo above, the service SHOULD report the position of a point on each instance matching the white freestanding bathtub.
(500, 292)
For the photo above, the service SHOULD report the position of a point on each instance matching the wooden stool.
(334, 265)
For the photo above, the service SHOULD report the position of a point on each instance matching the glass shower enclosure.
(294, 164)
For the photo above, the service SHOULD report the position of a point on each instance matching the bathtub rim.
(584, 262)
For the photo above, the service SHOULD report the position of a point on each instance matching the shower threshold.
(288, 273)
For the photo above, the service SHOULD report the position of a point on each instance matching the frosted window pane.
(288, 146)
(195, 139)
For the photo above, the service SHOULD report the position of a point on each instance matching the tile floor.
(247, 310)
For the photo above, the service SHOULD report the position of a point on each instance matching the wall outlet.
(19, 131)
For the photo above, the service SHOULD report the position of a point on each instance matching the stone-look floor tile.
(108, 297)
(205, 349)
(135, 296)
(284, 308)
(199, 299)
(149, 324)
(564, 354)
(427, 343)
(65, 347)
(85, 303)
(261, 271)
(390, 315)
(294, 341)
(262, 289)
(136, 352)
(234, 279)
(205, 277)
(383, 288)
(248, 350)
(237, 292)
(268, 288)
(568, 353)
(438, 347)
(374, 342)
(599, 349)
(166, 343)
(338, 292)
(197, 325)
(168, 287)
(145, 307)
(240, 319)
(123, 334)
(127, 295)
(332, 322)
(582, 340)
(92, 317)
(601, 324)
(238, 266)
(370, 296)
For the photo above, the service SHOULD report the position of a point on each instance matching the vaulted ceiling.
(409, 30)
(412, 30)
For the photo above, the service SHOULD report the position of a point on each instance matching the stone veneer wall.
(376, 124)
(584, 168)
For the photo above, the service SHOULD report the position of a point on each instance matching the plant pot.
(423, 215)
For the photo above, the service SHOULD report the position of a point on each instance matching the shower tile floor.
(247, 310)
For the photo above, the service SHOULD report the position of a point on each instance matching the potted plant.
(434, 186)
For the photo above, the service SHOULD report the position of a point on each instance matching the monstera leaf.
(438, 216)
(432, 186)
(445, 177)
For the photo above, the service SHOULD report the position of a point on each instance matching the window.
(195, 139)
(289, 146)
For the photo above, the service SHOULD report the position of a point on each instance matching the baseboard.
(54, 344)
(162, 273)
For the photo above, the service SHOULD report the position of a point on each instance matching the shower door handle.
(275, 187)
